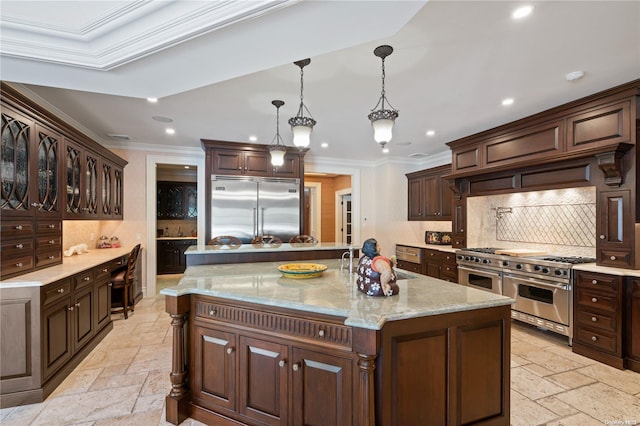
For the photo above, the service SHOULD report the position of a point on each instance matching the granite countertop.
(440, 247)
(334, 293)
(249, 248)
(70, 266)
(592, 267)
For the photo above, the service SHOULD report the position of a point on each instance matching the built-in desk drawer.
(56, 291)
(84, 279)
(16, 248)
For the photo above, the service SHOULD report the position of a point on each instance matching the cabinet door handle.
(594, 282)
(51, 226)
(321, 333)
(602, 237)
(594, 338)
(70, 308)
(110, 284)
(105, 270)
(229, 351)
(38, 205)
(594, 319)
(282, 363)
(86, 278)
(19, 246)
(19, 228)
(61, 290)
(613, 258)
(51, 257)
(77, 305)
(461, 230)
(296, 366)
(594, 299)
(19, 264)
(52, 241)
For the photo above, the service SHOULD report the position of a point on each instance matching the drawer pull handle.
(105, 270)
(110, 284)
(19, 228)
(321, 333)
(594, 319)
(77, 305)
(38, 205)
(52, 226)
(594, 282)
(613, 258)
(213, 312)
(461, 230)
(52, 241)
(229, 351)
(594, 338)
(61, 290)
(51, 257)
(19, 246)
(282, 363)
(86, 278)
(296, 367)
(19, 264)
(594, 299)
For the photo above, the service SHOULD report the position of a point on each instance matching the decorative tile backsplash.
(559, 221)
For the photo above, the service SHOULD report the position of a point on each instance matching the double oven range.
(542, 286)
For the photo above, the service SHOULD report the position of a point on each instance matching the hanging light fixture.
(382, 119)
(302, 126)
(277, 150)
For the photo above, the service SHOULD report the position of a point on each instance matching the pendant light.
(277, 150)
(383, 119)
(302, 126)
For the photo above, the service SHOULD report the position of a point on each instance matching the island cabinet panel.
(632, 312)
(57, 329)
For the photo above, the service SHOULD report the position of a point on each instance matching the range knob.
(486, 261)
(505, 263)
(467, 258)
(558, 272)
(545, 270)
(476, 259)
(519, 266)
(537, 267)
(460, 257)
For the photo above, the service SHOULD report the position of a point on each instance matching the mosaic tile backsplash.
(558, 221)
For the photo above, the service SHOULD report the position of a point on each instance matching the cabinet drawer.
(16, 228)
(44, 258)
(49, 226)
(55, 291)
(334, 334)
(83, 279)
(49, 242)
(410, 266)
(598, 339)
(433, 255)
(449, 258)
(601, 321)
(449, 271)
(118, 263)
(614, 258)
(16, 248)
(103, 271)
(17, 264)
(597, 300)
(604, 283)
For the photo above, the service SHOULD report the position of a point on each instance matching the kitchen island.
(253, 347)
(211, 254)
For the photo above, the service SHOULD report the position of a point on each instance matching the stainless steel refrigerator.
(246, 207)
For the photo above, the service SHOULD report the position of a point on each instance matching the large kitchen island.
(251, 346)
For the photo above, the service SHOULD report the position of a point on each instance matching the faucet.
(350, 253)
(179, 232)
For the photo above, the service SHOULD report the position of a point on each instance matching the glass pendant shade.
(301, 134)
(382, 130)
(277, 155)
(302, 126)
(383, 119)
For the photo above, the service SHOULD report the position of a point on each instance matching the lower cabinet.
(632, 310)
(171, 257)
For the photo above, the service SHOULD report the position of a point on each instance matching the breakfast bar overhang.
(253, 347)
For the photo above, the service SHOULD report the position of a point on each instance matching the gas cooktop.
(568, 259)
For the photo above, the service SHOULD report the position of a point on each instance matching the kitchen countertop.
(70, 266)
(440, 247)
(249, 248)
(334, 293)
(592, 267)
(176, 238)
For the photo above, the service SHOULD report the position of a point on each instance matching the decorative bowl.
(302, 270)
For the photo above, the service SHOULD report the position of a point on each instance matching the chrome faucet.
(350, 253)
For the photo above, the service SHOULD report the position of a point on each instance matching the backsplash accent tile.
(561, 221)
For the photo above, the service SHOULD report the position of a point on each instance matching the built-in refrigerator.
(247, 207)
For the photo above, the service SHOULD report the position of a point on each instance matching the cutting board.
(521, 252)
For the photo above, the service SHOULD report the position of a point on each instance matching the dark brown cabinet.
(177, 200)
(433, 261)
(448, 267)
(252, 163)
(111, 190)
(171, 257)
(57, 329)
(459, 224)
(597, 314)
(82, 172)
(429, 195)
(614, 229)
(632, 312)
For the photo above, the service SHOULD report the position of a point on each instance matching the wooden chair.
(123, 281)
(303, 239)
(225, 240)
(266, 241)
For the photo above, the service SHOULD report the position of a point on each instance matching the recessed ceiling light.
(324, 144)
(152, 100)
(253, 138)
(162, 119)
(431, 132)
(576, 75)
(521, 12)
(170, 131)
(507, 102)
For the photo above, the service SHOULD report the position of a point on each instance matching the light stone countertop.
(249, 248)
(334, 293)
(592, 267)
(177, 238)
(70, 266)
(445, 248)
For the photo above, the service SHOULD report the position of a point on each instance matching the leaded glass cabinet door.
(192, 202)
(91, 185)
(107, 190)
(15, 164)
(118, 180)
(48, 172)
(74, 180)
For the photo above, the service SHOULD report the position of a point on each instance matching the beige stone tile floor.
(124, 380)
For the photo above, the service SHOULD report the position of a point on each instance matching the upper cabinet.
(429, 197)
(177, 200)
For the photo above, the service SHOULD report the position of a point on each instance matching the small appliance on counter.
(434, 237)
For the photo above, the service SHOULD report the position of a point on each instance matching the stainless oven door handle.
(538, 283)
(479, 271)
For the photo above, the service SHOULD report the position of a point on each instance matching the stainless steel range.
(542, 286)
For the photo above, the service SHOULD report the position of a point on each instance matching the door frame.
(152, 160)
(338, 213)
(316, 208)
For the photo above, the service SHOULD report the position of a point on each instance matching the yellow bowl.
(302, 270)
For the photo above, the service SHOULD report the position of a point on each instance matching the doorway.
(343, 211)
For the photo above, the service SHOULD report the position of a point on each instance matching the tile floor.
(125, 379)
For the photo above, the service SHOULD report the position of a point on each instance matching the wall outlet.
(92, 236)
(138, 236)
